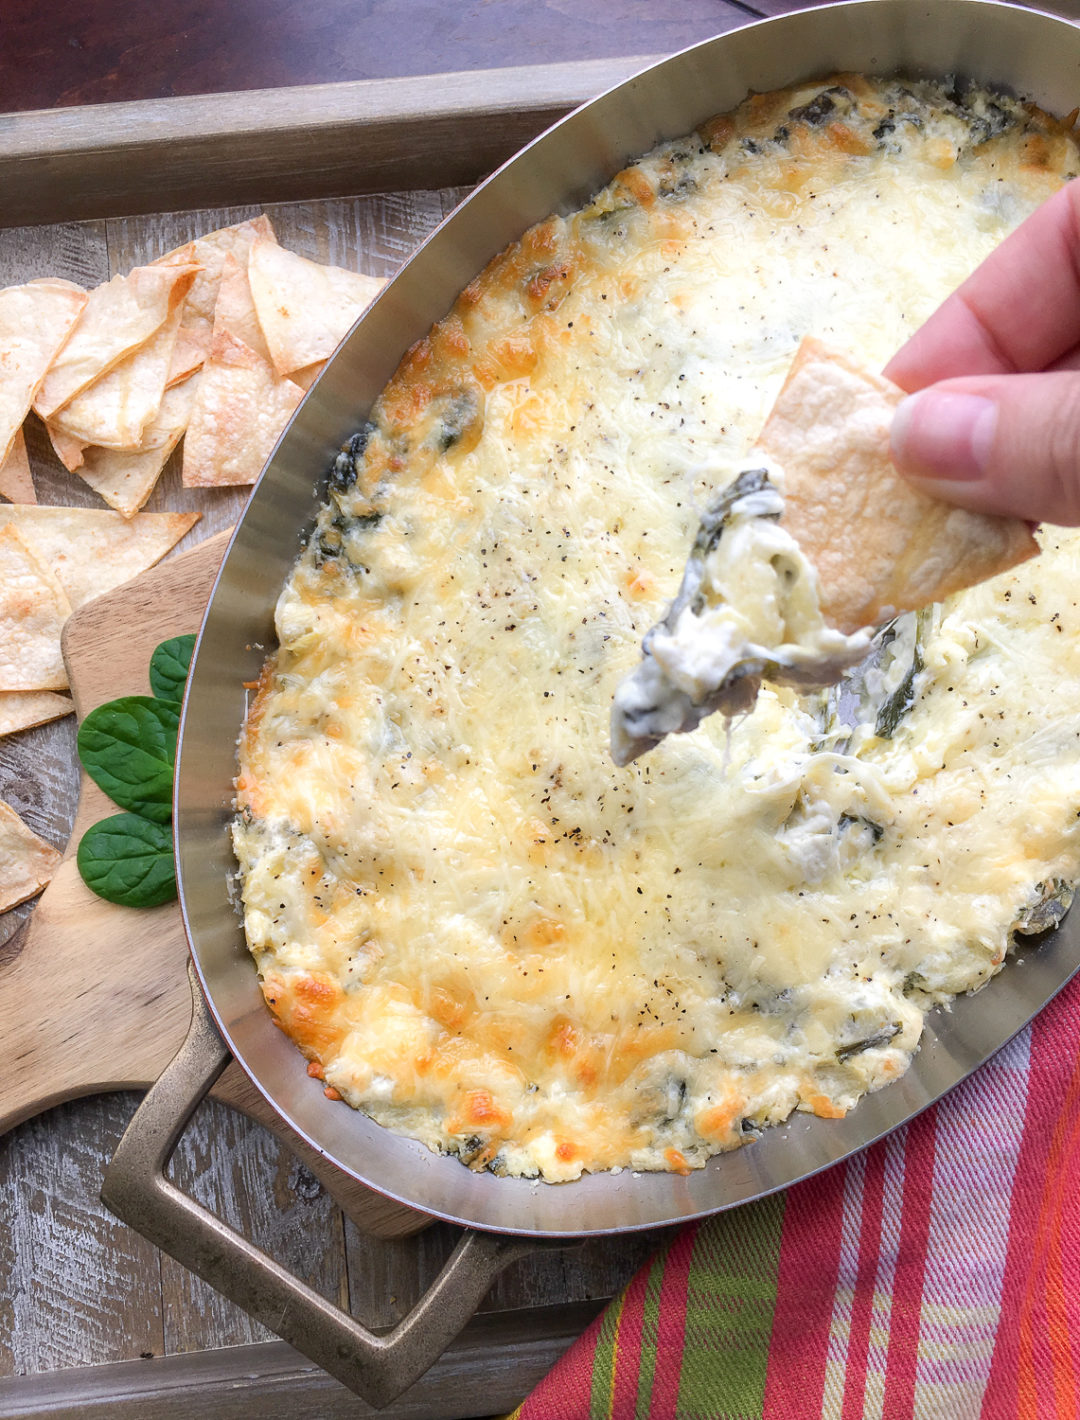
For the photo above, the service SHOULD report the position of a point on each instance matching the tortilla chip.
(16, 480)
(33, 608)
(23, 709)
(304, 309)
(92, 550)
(235, 312)
(879, 545)
(35, 320)
(114, 410)
(189, 352)
(126, 479)
(210, 251)
(306, 377)
(118, 317)
(66, 447)
(240, 410)
(27, 862)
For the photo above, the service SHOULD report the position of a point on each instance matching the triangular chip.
(16, 480)
(210, 251)
(23, 709)
(304, 309)
(179, 256)
(235, 312)
(112, 412)
(878, 544)
(240, 411)
(35, 320)
(126, 479)
(306, 377)
(27, 862)
(190, 350)
(66, 447)
(33, 608)
(92, 550)
(118, 317)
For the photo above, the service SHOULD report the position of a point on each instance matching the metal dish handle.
(373, 1366)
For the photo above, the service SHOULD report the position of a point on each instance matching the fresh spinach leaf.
(129, 860)
(169, 667)
(128, 748)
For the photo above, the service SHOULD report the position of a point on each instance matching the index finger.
(1017, 313)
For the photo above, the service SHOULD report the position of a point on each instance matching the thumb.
(996, 444)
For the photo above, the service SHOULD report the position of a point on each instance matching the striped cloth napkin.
(936, 1275)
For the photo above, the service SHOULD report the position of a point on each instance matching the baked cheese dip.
(477, 927)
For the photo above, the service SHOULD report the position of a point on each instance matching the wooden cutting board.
(95, 997)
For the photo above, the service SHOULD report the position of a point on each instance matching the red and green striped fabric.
(936, 1275)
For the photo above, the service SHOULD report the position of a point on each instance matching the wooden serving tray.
(281, 145)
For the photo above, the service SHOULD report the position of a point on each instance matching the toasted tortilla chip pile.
(52, 560)
(217, 340)
(27, 862)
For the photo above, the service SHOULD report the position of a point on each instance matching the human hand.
(995, 423)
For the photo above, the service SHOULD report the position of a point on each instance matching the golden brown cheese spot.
(676, 1162)
(718, 1122)
(823, 1107)
(549, 285)
(632, 184)
(452, 1009)
(847, 140)
(307, 1007)
(718, 131)
(512, 357)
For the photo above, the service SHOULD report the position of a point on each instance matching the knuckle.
(1063, 450)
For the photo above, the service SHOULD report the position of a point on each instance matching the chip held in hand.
(880, 546)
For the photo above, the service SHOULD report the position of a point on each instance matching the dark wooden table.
(93, 1320)
(97, 51)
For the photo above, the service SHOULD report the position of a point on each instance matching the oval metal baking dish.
(1035, 55)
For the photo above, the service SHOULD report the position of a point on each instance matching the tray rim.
(297, 143)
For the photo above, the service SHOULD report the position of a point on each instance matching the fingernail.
(936, 434)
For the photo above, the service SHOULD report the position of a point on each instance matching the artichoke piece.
(897, 705)
(870, 1042)
(1047, 911)
(863, 696)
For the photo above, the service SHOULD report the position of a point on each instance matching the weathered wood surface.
(498, 1358)
(76, 1287)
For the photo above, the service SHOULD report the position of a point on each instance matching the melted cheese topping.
(477, 928)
